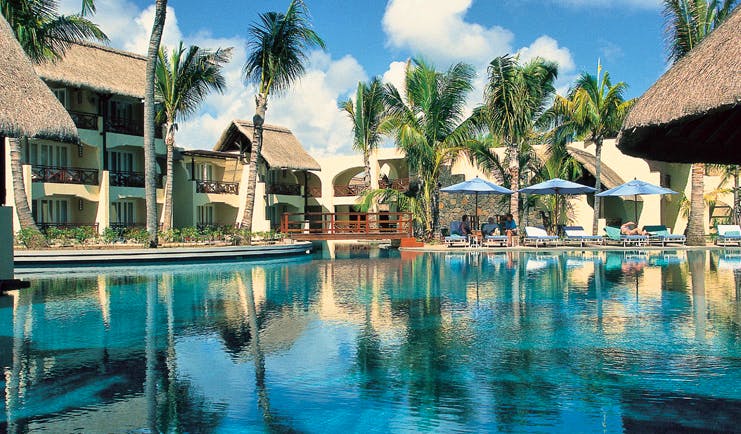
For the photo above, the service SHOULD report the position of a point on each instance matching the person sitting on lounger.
(510, 229)
(465, 225)
(631, 228)
(490, 227)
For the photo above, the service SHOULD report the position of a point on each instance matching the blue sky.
(374, 37)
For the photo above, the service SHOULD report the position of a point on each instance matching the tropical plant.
(183, 80)
(429, 126)
(278, 45)
(594, 110)
(687, 23)
(44, 33)
(150, 158)
(366, 114)
(515, 97)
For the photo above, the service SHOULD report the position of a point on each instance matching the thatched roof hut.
(98, 68)
(28, 108)
(693, 112)
(610, 178)
(280, 148)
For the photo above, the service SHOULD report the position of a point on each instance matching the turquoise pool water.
(378, 341)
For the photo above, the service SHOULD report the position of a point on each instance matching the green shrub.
(31, 238)
(110, 235)
(189, 234)
(83, 233)
(171, 236)
(137, 235)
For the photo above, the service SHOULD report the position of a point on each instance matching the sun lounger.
(537, 236)
(495, 240)
(615, 236)
(577, 234)
(455, 238)
(729, 235)
(660, 234)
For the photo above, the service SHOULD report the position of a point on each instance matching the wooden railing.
(348, 190)
(400, 184)
(132, 127)
(285, 189)
(64, 175)
(353, 224)
(315, 191)
(217, 187)
(45, 226)
(132, 179)
(86, 121)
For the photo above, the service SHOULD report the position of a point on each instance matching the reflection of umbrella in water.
(557, 187)
(476, 186)
(729, 262)
(635, 188)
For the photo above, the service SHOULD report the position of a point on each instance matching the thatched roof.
(610, 178)
(280, 148)
(693, 112)
(98, 68)
(209, 154)
(27, 107)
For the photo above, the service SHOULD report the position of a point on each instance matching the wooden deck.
(347, 226)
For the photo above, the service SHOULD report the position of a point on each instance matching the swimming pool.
(508, 342)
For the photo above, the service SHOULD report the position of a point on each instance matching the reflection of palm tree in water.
(369, 357)
(247, 297)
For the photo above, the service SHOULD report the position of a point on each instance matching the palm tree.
(594, 110)
(279, 43)
(687, 23)
(366, 115)
(184, 79)
(514, 99)
(44, 34)
(150, 162)
(429, 125)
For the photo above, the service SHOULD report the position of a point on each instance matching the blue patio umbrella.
(558, 187)
(635, 188)
(476, 186)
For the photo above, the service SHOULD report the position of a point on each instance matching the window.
(122, 112)
(204, 172)
(205, 214)
(51, 155)
(122, 212)
(121, 161)
(50, 211)
(62, 96)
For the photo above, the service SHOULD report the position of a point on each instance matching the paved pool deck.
(437, 248)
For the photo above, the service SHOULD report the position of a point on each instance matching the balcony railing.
(286, 189)
(217, 187)
(86, 121)
(348, 190)
(64, 175)
(400, 184)
(131, 179)
(132, 127)
(315, 191)
(45, 226)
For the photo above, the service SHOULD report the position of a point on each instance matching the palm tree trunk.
(366, 170)
(261, 107)
(435, 206)
(696, 224)
(25, 217)
(514, 173)
(150, 161)
(167, 207)
(428, 210)
(736, 199)
(597, 184)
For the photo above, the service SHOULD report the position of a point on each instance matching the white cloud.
(548, 49)
(438, 29)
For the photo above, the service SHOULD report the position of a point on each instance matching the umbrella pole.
(476, 211)
(635, 208)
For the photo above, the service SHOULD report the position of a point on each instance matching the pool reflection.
(490, 341)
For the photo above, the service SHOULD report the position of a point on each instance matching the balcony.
(131, 127)
(315, 191)
(217, 187)
(44, 227)
(401, 184)
(64, 175)
(285, 189)
(132, 179)
(86, 121)
(348, 190)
